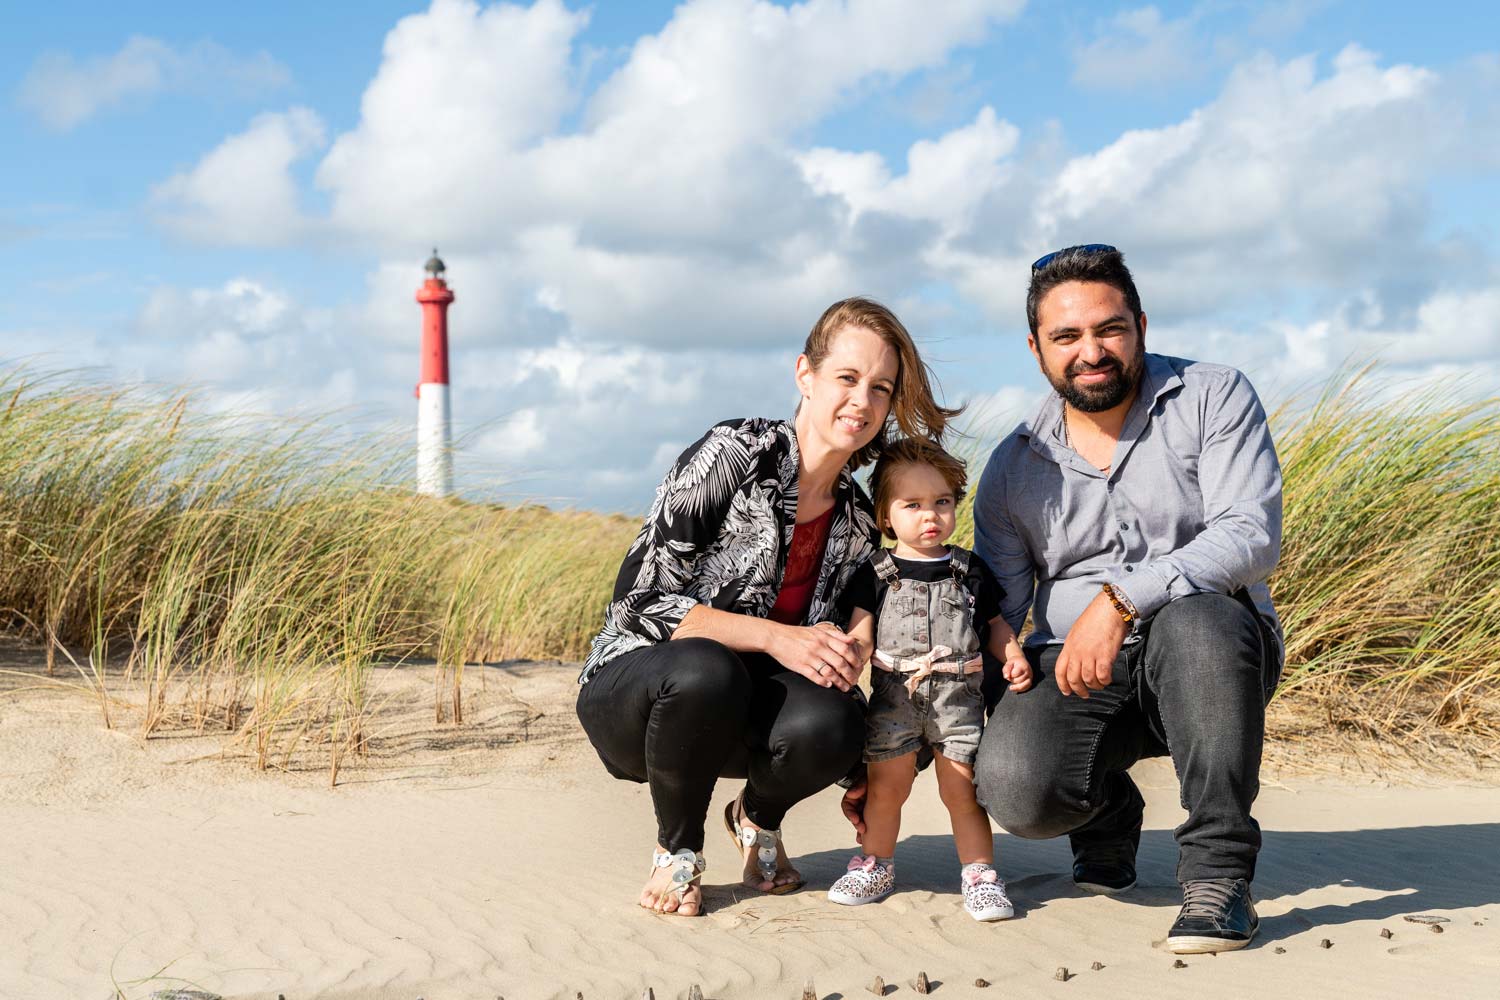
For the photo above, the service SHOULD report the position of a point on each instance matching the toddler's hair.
(912, 451)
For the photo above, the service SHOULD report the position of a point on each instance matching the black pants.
(679, 715)
(1194, 687)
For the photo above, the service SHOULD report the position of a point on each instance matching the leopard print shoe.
(868, 880)
(984, 893)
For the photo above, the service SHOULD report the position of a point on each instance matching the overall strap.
(885, 568)
(958, 559)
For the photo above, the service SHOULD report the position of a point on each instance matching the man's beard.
(1103, 396)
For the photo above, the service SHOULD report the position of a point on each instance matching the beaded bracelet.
(1123, 607)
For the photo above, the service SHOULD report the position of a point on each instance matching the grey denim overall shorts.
(910, 706)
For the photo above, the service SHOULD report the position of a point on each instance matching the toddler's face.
(923, 511)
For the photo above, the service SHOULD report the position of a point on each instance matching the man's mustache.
(1083, 368)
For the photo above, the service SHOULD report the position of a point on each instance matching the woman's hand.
(822, 653)
(853, 805)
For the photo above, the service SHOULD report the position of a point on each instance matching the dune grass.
(250, 581)
(253, 582)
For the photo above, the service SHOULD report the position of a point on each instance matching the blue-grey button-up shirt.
(1191, 503)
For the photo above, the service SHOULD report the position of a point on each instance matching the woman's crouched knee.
(829, 730)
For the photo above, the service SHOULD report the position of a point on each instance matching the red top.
(435, 295)
(801, 576)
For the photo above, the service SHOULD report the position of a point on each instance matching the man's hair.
(912, 451)
(1080, 264)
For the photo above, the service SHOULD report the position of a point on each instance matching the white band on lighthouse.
(434, 449)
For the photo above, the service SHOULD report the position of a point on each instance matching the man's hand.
(854, 807)
(1087, 660)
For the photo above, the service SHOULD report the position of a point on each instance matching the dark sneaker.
(1105, 868)
(1217, 915)
(1104, 878)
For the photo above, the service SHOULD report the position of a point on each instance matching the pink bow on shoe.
(862, 863)
(974, 876)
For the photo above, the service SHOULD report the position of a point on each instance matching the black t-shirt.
(866, 589)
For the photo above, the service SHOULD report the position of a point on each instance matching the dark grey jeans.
(1194, 687)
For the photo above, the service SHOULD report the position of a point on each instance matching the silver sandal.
(687, 867)
(765, 842)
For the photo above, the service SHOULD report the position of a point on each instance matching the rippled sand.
(500, 860)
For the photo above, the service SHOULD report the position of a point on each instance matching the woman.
(719, 656)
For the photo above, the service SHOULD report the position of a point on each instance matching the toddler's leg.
(983, 890)
(971, 825)
(872, 875)
(889, 784)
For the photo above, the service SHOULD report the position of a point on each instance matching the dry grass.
(251, 581)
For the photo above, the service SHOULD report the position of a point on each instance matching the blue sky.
(644, 206)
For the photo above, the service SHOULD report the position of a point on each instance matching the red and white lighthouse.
(434, 439)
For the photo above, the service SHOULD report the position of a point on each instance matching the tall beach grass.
(252, 581)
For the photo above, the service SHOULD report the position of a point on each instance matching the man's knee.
(1024, 798)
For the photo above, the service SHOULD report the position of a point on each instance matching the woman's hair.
(912, 451)
(916, 412)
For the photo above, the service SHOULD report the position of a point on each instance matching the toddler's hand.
(1018, 671)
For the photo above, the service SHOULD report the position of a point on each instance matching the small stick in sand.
(922, 986)
(648, 995)
(809, 991)
(877, 987)
(695, 992)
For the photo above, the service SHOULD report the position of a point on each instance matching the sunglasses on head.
(1048, 258)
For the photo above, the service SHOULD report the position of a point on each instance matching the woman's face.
(846, 399)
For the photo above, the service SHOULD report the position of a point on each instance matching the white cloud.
(243, 192)
(1138, 48)
(945, 179)
(63, 91)
(1289, 184)
(634, 265)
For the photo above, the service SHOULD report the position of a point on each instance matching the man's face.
(1088, 345)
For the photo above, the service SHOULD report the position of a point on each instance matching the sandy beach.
(499, 860)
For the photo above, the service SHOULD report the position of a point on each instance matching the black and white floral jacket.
(718, 533)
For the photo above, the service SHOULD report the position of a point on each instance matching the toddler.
(924, 607)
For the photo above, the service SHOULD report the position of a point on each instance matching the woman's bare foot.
(786, 878)
(660, 895)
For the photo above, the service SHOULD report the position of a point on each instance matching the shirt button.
(1124, 526)
(1130, 569)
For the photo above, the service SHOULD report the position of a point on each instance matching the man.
(1141, 507)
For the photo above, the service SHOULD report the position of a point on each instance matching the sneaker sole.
(992, 914)
(1099, 889)
(846, 900)
(1203, 945)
